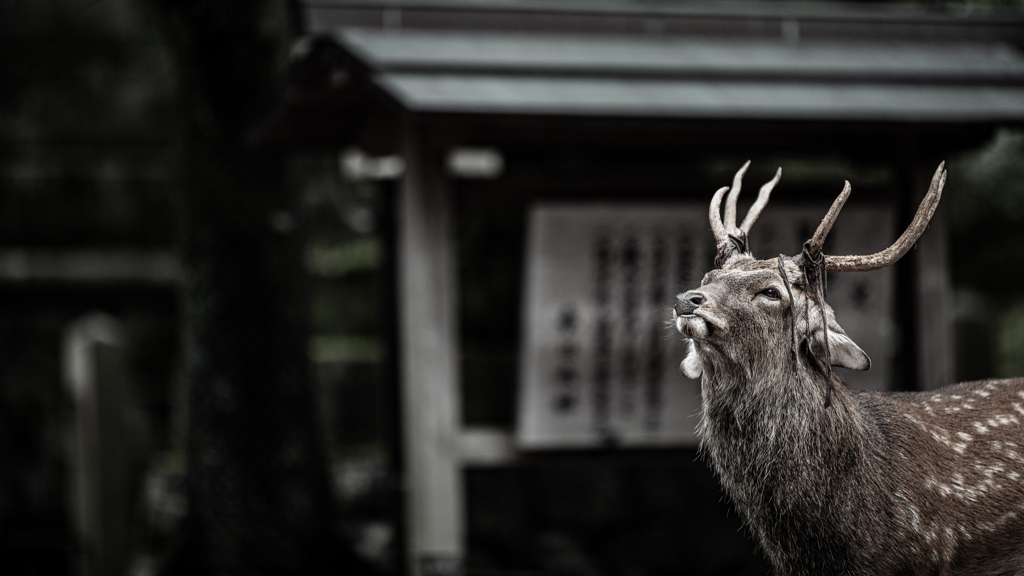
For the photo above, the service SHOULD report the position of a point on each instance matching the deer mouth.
(696, 326)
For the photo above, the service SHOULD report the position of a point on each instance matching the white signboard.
(600, 358)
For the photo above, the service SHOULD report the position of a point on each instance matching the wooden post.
(934, 296)
(96, 376)
(429, 361)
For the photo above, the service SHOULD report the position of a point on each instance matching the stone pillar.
(96, 379)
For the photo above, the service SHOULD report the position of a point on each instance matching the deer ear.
(845, 353)
(842, 351)
(691, 367)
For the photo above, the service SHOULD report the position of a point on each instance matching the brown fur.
(873, 483)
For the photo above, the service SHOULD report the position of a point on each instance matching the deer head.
(765, 319)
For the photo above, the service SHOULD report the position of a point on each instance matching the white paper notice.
(600, 358)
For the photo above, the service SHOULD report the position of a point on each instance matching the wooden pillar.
(429, 362)
(96, 377)
(934, 295)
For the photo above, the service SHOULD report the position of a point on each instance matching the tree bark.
(259, 500)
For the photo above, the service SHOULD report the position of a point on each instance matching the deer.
(830, 480)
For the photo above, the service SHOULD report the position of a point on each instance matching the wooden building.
(497, 108)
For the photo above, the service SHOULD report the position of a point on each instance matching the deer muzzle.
(687, 304)
(689, 318)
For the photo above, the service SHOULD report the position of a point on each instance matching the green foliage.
(990, 182)
(334, 260)
(984, 206)
(1011, 341)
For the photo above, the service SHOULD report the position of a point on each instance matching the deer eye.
(770, 293)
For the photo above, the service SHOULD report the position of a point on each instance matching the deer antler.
(818, 240)
(734, 194)
(715, 216)
(762, 200)
(722, 230)
(891, 254)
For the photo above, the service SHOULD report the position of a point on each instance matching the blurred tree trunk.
(258, 489)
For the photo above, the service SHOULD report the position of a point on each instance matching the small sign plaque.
(600, 360)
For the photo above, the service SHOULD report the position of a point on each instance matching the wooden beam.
(108, 265)
(429, 362)
(487, 446)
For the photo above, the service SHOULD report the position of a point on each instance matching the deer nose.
(687, 303)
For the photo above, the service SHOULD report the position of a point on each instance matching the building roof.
(619, 58)
(522, 73)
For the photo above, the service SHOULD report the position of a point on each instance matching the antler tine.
(715, 216)
(760, 203)
(734, 194)
(909, 237)
(818, 240)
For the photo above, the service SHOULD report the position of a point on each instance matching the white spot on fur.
(969, 493)
(915, 518)
(1001, 420)
(964, 531)
(940, 435)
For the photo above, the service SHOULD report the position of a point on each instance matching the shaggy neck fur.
(789, 465)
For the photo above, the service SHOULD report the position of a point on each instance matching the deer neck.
(771, 437)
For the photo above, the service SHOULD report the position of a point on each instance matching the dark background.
(125, 129)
